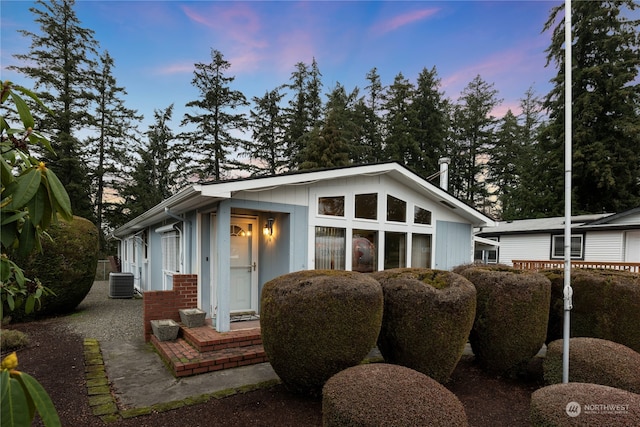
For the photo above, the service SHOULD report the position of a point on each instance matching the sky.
(155, 44)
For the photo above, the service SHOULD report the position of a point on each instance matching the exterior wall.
(632, 246)
(606, 246)
(524, 246)
(159, 305)
(453, 245)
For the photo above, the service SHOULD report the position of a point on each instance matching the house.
(236, 235)
(606, 239)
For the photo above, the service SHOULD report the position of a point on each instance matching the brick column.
(165, 304)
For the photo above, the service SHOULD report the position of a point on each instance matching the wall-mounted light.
(268, 227)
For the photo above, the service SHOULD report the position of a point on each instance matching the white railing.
(633, 267)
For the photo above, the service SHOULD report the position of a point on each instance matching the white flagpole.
(568, 292)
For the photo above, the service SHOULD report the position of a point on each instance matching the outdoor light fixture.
(268, 227)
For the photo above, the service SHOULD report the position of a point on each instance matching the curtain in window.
(171, 251)
(330, 248)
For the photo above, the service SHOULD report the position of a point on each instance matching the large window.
(396, 209)
(366, 206)
(332, 206)
(330, 248)
(421, 216)
(365, 247)
(171, 251)
(421, 251)
(395, 250)
(577, 246)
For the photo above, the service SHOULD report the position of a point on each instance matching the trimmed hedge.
(67, 266)
(316, 323)
(380, 394)
(606, 305)
(582, 404)
(511, 316)
(427, 318)
(597, 361)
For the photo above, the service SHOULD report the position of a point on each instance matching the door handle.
(254, 266)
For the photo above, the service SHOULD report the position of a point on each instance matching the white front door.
(243, 264)
(632, 252)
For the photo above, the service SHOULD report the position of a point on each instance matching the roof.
(204, 193)
(591, 222)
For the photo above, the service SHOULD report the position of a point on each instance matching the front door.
(243, 264)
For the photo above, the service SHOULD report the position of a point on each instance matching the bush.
(67, 266)
(380, 394)
(10, 339)
(606, 305)
(427, 318)
(582, 404)
(316, 323)
(511, 316)
(597, 361)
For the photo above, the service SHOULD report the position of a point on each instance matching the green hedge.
(606, 305)
(511, 316)
(316, 323)
(427, 318)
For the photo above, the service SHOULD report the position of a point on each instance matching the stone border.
(103, 403)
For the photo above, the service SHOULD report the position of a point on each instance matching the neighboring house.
(599, 238)
(236, 235)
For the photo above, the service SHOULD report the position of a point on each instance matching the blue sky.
(156, 43)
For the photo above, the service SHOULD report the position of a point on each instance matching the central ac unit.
(120, 285)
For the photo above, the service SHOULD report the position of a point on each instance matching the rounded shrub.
(67, 266)
(380, 394)
(316, 323)
(511, 316)
(593, 360)
(606, 305)
(583, 404)
(427, 318)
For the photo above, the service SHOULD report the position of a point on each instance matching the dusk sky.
(156, 43)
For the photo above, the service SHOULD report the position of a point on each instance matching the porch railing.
(633, 267)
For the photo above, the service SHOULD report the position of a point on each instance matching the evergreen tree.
(115, 133)
(605, 106)
(473, 139)
(399, 122)
(211, 144)
(369, 149)
(503, 167)
(268, 128)
(431, 122)
(59, 62)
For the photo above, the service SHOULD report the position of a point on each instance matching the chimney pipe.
(444, 172)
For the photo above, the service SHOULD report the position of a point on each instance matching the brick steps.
(203, 349)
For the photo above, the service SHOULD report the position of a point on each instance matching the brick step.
(206, 339)
(185, 360)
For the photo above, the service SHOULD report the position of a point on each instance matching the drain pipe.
(444, 172)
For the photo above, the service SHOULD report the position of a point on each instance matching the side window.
(396, 209)
(171, 251)
(421, 216)
(330, 248)
(366, 206)
(577, 246)
(332, 206)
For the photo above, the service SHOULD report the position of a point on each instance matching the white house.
(598, 238)
(236, 235)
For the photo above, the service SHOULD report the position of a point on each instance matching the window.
(333, 206)
(395, 250)
(421, 216)
(171, 251)
(421, 251)
(577, 245)
(366, 206)
(486, 254)
(364, 257)
(396, 209)
(330, 248)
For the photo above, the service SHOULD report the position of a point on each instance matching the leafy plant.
(21, 396)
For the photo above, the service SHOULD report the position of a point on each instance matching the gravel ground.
(107, 319)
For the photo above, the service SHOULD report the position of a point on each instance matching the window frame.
(560, 238)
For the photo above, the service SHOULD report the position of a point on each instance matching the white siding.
(604, 246)
(524, 246)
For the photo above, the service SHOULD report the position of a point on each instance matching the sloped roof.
(203, 193)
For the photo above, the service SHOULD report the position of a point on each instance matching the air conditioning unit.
(120, 285)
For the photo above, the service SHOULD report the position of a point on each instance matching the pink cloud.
(178, 68)
(400, 21)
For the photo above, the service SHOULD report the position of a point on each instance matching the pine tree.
(431, 122)
(115, 134)
(503, 167)
(267, 150)
(369, 150)
(63, 55)
(399, 123)
(605, 106)
(211, 144)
